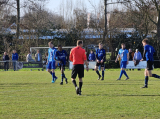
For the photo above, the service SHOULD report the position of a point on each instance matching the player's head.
(145, 41)
(80, 43)
(5, 53)
(14, 51)
(123, 46)
(50, 44)
(59, 47)
(100, 45)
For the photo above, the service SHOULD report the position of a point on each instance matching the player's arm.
(117, 58)
(85, 60)
(66, 56)
(48, 57)
(71, 56)
(97, 56)
(104, 56)
(144, 54)
(127, 58)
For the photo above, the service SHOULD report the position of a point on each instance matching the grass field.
(31, 95)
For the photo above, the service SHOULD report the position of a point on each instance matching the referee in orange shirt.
(78, 57)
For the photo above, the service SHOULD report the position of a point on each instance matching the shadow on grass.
(114, 84)
(7, 85)
(123, 95)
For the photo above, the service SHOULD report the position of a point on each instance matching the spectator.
(137, 57)
(131, 55)
(38, 57)
(14, 59)
(6, 64)
(92, 56)
(29, 57)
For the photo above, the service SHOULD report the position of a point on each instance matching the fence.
(8, 65)
(4, 65)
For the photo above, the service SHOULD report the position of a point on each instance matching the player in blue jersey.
(62, 57)
(100, 59)
(148, 56)
(124, 55)
(51, 62)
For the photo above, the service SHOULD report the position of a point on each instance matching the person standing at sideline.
(92, 56)
(14, 59)
(6, 64)
(78, 57)
(148, 55)
(38, 56)
(123, 53)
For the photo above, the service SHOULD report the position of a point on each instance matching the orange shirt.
(77, 55)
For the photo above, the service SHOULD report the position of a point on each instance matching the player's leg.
(54, 78)
(80, 85)
(49, 67)
(102, 68)
(146, 79)
(96, 69)
(80, 75)
(61, 68)
(73, 77)
(122, 69)
(150, 73)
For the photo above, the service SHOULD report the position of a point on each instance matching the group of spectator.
(6, 60)
(38, 58)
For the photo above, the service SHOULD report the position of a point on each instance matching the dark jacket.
(5, 57)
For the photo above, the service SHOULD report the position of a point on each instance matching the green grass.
(31, 95)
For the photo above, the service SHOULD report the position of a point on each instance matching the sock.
(155, 76)
(98, 73)
(51, 73)
(102, 73)
(53, 76)
(121, 73)
(74, 83)
(62, 78)
(146, 80)
(80, 86)
(125, 73)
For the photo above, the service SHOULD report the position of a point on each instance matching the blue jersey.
(51, 54)
(123, 54)
(100, 54)
(62, 56)
(149, 52)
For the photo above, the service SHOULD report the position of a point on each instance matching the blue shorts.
(123, 64)
(51, 65)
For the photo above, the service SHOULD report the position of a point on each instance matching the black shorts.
(62, 66)
(100, 64)
(149, 65)
(78, 69)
